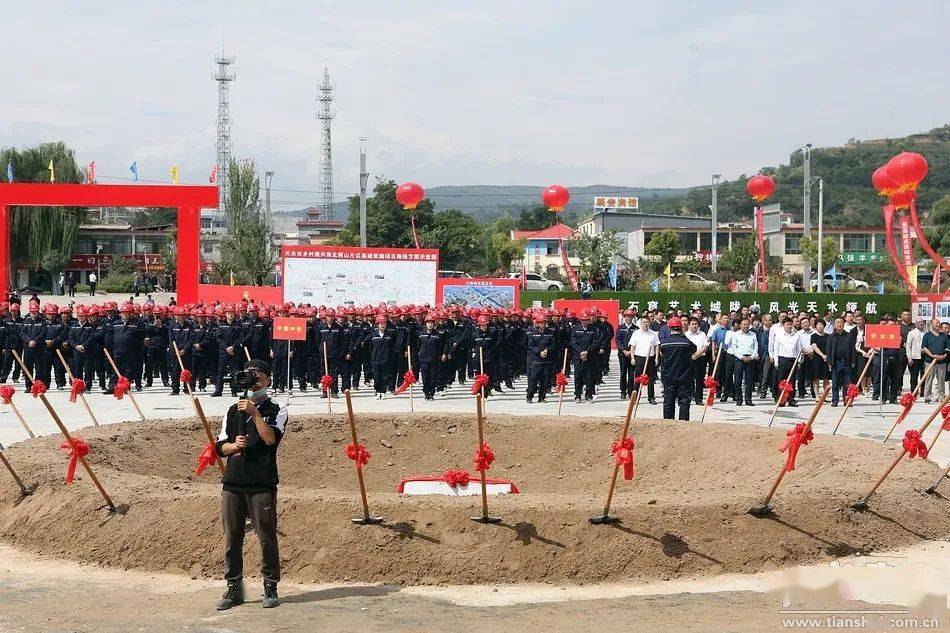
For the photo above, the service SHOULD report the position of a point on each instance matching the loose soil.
(684, 513)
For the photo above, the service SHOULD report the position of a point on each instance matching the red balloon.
(903, 198)
(907, 169)
(409, 195)
(882, 181)
(760, 187)
(555, 197)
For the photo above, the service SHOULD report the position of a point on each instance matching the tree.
(506, 250)
(458, 237)
(664, 246)
(739, 261)
(54, 261)
(246, 249)
(829, 251)
(36, 230)
(596, 253)
(536, 219)
(387, 223)
(154, 216)
(939, 220)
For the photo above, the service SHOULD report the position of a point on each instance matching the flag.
(52, 171)
(213, 177)
(9, 172)
(524, 276)
(880, 288)
(174, 174)
(134, 168)
(655, 285)
(935, 284)
(912, 274)
(612, 275)
(833, 273)
(92, 172)
(669, 278)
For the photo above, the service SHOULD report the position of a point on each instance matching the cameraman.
(250, 434)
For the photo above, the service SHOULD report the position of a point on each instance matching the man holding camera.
(251, 431)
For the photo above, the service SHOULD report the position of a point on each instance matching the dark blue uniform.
(677, 352)
(585, 339)
(431, 348)
(538, 366)
(33, 330)
(228, 335)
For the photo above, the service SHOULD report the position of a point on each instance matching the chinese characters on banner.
(290, 329)
(616, 202)
(571, 273)
(882, 336)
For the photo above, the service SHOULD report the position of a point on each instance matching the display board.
(350, 275)
(609, 306)
(929, 306)
(482, 292)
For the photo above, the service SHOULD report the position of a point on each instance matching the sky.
(455, 93)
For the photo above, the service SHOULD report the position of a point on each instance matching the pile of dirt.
(683, 514)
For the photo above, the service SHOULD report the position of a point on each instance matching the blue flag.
(612, 275)
(833, 273)
(880, 288)
(9, 172)
(134, 168)
(655, 285)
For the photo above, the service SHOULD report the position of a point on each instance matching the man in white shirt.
(786, 348)
(912, 347)
(700, 361)
(745, 350)
(645, 345)
(805, 366)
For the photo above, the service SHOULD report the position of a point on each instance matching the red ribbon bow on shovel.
(713, 385)
(481, 380)
(122, 386)
(850, 394)
(786, 388)
(78, 386)
(38, 388)
(484, 457)
(908, 399)
(75, 449)
(456, 478)
(945, 411)
(6, 392)
(326, 382)
(643, 379)
(358, 454)
(409, 378)
(623, 454)
(560, 381)
(914, 445)
(206, 459)
(186, 375)
(794, 439)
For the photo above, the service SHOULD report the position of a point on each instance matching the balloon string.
(415, 235)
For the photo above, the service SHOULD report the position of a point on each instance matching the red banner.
(92, 261)
(882, 336)
(907, 247)
(568, 269)
(290, 329)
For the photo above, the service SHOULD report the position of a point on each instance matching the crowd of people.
(376, 346)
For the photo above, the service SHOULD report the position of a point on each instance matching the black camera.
(243, 380)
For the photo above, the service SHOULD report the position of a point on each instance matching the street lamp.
(268, 176)
(714, 207)
(806, 206)
(364, 178)
(821, 200)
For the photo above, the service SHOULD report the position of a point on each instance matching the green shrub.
(116, 283)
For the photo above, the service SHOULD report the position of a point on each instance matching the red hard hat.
(65, 310)
(483, 320)
(49, 308)
(93, 310)
(628, 312)
(381, 318)
(675, 322)
(14, 307)
(584, 315)
(179, 311)
(81, 311)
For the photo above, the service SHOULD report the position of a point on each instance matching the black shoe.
(652, 400)
(748, 403)
(528, 399)
(577, 399)
(589, 398)
(216, 394)
(233, 596)
(541, 400)
(270, 595)
(738, 403)
(108, 392)
(138, 387)
(793, 404)
(174, 392)
(834, 404)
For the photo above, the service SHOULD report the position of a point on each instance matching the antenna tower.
(223, 77)
(324, 99)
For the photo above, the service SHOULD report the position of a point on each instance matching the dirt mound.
(684, 513)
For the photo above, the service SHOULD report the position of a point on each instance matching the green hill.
(850, 200)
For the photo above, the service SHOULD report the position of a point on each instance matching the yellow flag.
(912, 273)
(232, 278)
(52, 171)
(174, 173)
(668, 273)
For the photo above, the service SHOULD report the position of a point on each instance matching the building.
(859, 245)
(314, 229)
(542, 251)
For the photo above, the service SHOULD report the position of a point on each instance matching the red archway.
(188, 199)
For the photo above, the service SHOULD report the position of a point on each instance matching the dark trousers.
(538, 380)
(626, 374)
(638, 362)
(431, 375)
(840, 379)
(81, 367)
(766, 376)
(677, 393)
(261, 507)
(33, 359)
(225, 368)
(279, 369)
(805, 375)
(785, 366)
(585, 376)
(724, 377)
(380, 378)
(127, 364)
(892, 372)
(700, 365)
(155, 361)
(175, 369)
(916, 371)
(743, 373)
(9, 363)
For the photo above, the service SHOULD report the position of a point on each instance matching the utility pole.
(364, 177)
(806, 209)
(821, 204)
(268, 177)
(714, 207)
